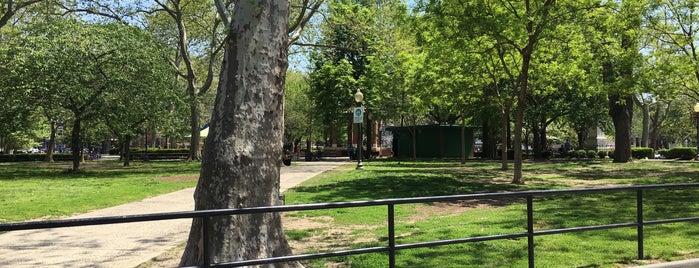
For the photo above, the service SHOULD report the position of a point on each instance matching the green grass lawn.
(47, 191)
(32, 190)
(363, 227)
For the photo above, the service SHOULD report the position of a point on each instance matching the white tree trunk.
(242, 153)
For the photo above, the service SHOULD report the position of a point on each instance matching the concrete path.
(122, 245)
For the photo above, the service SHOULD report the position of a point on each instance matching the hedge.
(642, 152)
(683, 153)
(116, 151)
(33, 157)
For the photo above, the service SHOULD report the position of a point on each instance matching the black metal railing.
(391, 247)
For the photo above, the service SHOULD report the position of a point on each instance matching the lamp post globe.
(358, 98)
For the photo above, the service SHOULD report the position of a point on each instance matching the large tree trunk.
(489, 144)
(413, 135)
(505, 137)
(52, 142)
(621, 102)
(242, 156)
(194, 148)
(126, 150)
(75, 146)
(621, 111)
(645, 134)
(519, 115)
(539, 133)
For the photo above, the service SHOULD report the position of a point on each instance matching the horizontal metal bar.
(460, 241)
(585, 228)
(676, 220)
(15, 226)
(302, 257)
(30, 225)
(276, 209)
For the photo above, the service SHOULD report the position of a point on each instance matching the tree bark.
(194, 148)
(505, 137)
(126, 150)
(52, 141)
(621, 111)
(519, 115)
(242, 156)
(75, 146)
(645, 134)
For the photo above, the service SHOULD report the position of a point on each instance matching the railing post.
(391, 236)
(530, 229)
(639, 222)
(205, 247)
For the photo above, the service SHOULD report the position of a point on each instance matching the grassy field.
(47, 191)
(33, 190)
(363, 227)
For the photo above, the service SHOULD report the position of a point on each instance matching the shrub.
(160, 151)
(591, 154)
(664, 152)
(602, 154)
(33, 157)
(683, 153)
(578, 154)
(641, 152)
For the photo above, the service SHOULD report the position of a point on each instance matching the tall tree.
(192, 28)
(674, 24)
(299, 117)
(621, 39)
(515, 29)
(187, 17)
(79, 64)
(240, 167)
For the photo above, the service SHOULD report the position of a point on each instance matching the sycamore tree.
(242, 154)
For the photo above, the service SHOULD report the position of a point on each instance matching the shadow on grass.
(98, 169)
(397, 186)
(407, 179)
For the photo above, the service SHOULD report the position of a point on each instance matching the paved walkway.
(122, 245)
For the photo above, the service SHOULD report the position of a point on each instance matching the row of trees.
(516, 69)
(189, 38)
(101, 59)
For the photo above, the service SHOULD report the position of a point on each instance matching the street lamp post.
(358, 118)
(696, 114)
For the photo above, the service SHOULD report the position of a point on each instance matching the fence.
(391, 246)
